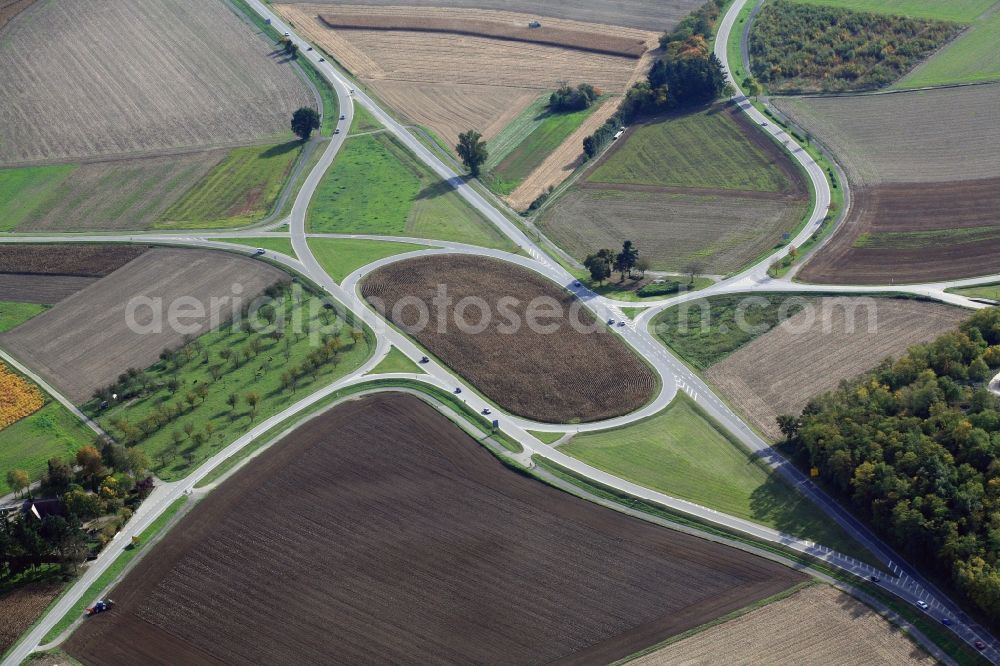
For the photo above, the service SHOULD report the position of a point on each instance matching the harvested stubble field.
(85, 341)
(410, 544)
(81, 260)
(702, 186)
(580, 40)
(654, 15)
(812, 352)
(722, 231)
(422, 73)
(924, 170)
(569, 373)
(80, 100)
(819, 625)
(21, 607)
(114, 194)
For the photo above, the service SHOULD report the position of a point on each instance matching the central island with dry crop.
(379, 532)
(569, 369)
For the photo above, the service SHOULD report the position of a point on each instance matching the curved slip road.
(675, 375)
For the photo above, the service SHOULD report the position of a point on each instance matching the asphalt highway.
(895, 576)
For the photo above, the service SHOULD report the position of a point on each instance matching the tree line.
(914, 448)
(686, 74)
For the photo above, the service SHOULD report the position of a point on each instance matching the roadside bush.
(659, 288)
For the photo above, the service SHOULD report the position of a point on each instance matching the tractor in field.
(101, 606)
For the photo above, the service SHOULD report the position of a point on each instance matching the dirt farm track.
(380, 532)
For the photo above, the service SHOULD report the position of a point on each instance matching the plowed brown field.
(832, 340)
(914, 232)
(138, 77)
(20, 608)
(924, 171)
(445, 68)
(86, 340)
(381, 533)
(81, 260)
(47, 289)
(819, 626)
(559, 374)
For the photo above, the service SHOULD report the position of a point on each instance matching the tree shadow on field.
(777, 504)
(280, 149)
(438, 189)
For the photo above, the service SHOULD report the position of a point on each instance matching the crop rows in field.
(654, 15)
(701, 187)
(116, 194)
(453, 83)
(380, 531)
(924, 173)
(721, 232)
(22, 607)
(138, 76)
(819, 625)
(812, 352)
(81, 260)
(577, 39)
(563, 374)
(87, 340)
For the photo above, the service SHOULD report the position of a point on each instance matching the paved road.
(674, 375)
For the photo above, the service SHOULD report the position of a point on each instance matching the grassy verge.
(272, 243)
(541, 135)
(719, 472)
(376, 186)
(396, 361)
(51, 432)
(128, 554)
(936, 632)
(619, 292)
(179, 428)
(990, 291)
(14, 314)
(733, 53)
(547, 437)
(340, 257)
(241, 190)
(363, 121)
(781, 268)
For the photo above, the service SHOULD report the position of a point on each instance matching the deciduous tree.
(472, 149)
